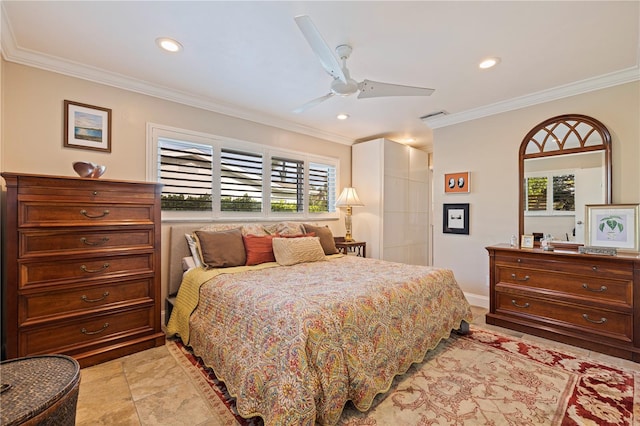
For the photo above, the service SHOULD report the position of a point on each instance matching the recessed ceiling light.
(489, 62)
(342, 116)
(168, 44)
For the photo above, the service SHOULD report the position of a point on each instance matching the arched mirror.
(565, 164)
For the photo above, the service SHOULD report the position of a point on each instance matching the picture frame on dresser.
(87, 127)
(613, 225)
(527, 241)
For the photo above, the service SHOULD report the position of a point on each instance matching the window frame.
(155, 132)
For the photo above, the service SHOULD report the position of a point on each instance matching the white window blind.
(185, 170)
(240, 181)
(287, 185)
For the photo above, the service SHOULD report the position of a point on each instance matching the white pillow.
(188, 263)
(289, 251)
(193, 248)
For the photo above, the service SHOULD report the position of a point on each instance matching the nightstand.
(359, 248)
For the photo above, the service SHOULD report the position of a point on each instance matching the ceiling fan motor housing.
(340, 88)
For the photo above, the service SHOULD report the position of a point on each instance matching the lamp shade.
(348, 198)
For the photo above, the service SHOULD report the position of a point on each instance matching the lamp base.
(347, 225)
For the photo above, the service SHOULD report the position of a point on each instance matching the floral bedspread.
(293, 344)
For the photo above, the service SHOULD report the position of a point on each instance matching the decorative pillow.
(221, 249)
(310, 234)
(286, 228)
(259, 249)
(193, 248)
(254, 229)
(216, 227)
(188, 263)
(326, 237)
(289, 251)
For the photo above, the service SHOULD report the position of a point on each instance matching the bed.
(295, 343)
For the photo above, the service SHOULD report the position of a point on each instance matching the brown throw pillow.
(326, 237)
(221, 249)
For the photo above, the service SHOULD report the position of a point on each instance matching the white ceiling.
(250, 60)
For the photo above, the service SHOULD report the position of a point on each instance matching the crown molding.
(13, 53)
(627, 75)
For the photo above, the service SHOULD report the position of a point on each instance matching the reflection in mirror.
(565, 164)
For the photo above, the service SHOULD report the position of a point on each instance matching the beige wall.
(488, 148)
(32, 129)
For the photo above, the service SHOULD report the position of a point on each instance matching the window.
(551, 193)
(205, 176)
(185, 170)
(287, 185)
(240, 181)
(322, 188)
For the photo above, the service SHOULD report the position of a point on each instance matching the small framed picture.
(455, 219)
(456, 182)
(526, 241)
(87, 127)
(612, 225)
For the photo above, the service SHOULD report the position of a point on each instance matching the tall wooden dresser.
(81, 267)
(591, 301)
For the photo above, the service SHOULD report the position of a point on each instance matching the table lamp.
(348, 198)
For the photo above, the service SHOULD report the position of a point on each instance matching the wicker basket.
(39, 390)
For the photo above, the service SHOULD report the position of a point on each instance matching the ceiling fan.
(343, 84)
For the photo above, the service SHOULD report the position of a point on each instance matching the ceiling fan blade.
(375, 89)
(312, 103)
(320, 47)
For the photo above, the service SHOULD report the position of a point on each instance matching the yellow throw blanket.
(189, 295)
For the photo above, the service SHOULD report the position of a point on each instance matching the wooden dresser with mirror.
(590, 301)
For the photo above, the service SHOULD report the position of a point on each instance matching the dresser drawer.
(616, 325)
(32, 214)
(84, 269)
(65, 336)
(54, 242)
(600, 289)
(91, 190)
(46, 305)
(583, 265)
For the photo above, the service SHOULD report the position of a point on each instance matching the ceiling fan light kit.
(343, 84)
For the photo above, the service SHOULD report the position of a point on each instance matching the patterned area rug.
(483, 378)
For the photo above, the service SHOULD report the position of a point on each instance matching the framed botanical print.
(612, 225)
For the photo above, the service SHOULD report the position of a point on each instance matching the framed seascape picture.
(612, 225)
(456, 182)
(455, 219)
(87, 127)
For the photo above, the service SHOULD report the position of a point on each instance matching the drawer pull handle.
(104, 327)
(86, 214)
(600, 321)
(595, 268)
(93, 271)
(86, 299)
(514, 303)
(526, 278)
(97, 243)
(597, 290)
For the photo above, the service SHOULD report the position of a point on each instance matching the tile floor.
(150, 388)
